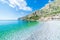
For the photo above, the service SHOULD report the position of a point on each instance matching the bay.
(9, 29)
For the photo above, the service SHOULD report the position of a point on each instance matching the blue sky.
(13, 9)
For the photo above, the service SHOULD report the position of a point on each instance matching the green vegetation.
(51, 9)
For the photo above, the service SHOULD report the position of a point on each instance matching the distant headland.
(50, 11)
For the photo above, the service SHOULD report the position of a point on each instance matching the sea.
(29, 30)
(17, 29)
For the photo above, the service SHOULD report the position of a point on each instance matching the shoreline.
(50, 18)
(49, 31)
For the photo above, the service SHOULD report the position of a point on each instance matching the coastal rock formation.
(49, 11)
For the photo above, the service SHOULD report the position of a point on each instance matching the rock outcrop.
(46, 13)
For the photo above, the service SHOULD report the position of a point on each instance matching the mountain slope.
(49, 11)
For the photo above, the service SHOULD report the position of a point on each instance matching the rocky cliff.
(50, 10)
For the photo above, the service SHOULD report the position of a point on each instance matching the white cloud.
(21, 4)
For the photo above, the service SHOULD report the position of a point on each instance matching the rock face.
(47, 12)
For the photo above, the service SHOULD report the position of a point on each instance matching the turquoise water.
(14, 28)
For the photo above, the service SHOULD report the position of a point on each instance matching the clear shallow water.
(49, 31)
(17, 30)
(24, 30)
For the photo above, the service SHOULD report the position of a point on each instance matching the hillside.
(48, 12)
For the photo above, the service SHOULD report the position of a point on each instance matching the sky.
(13, 9)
